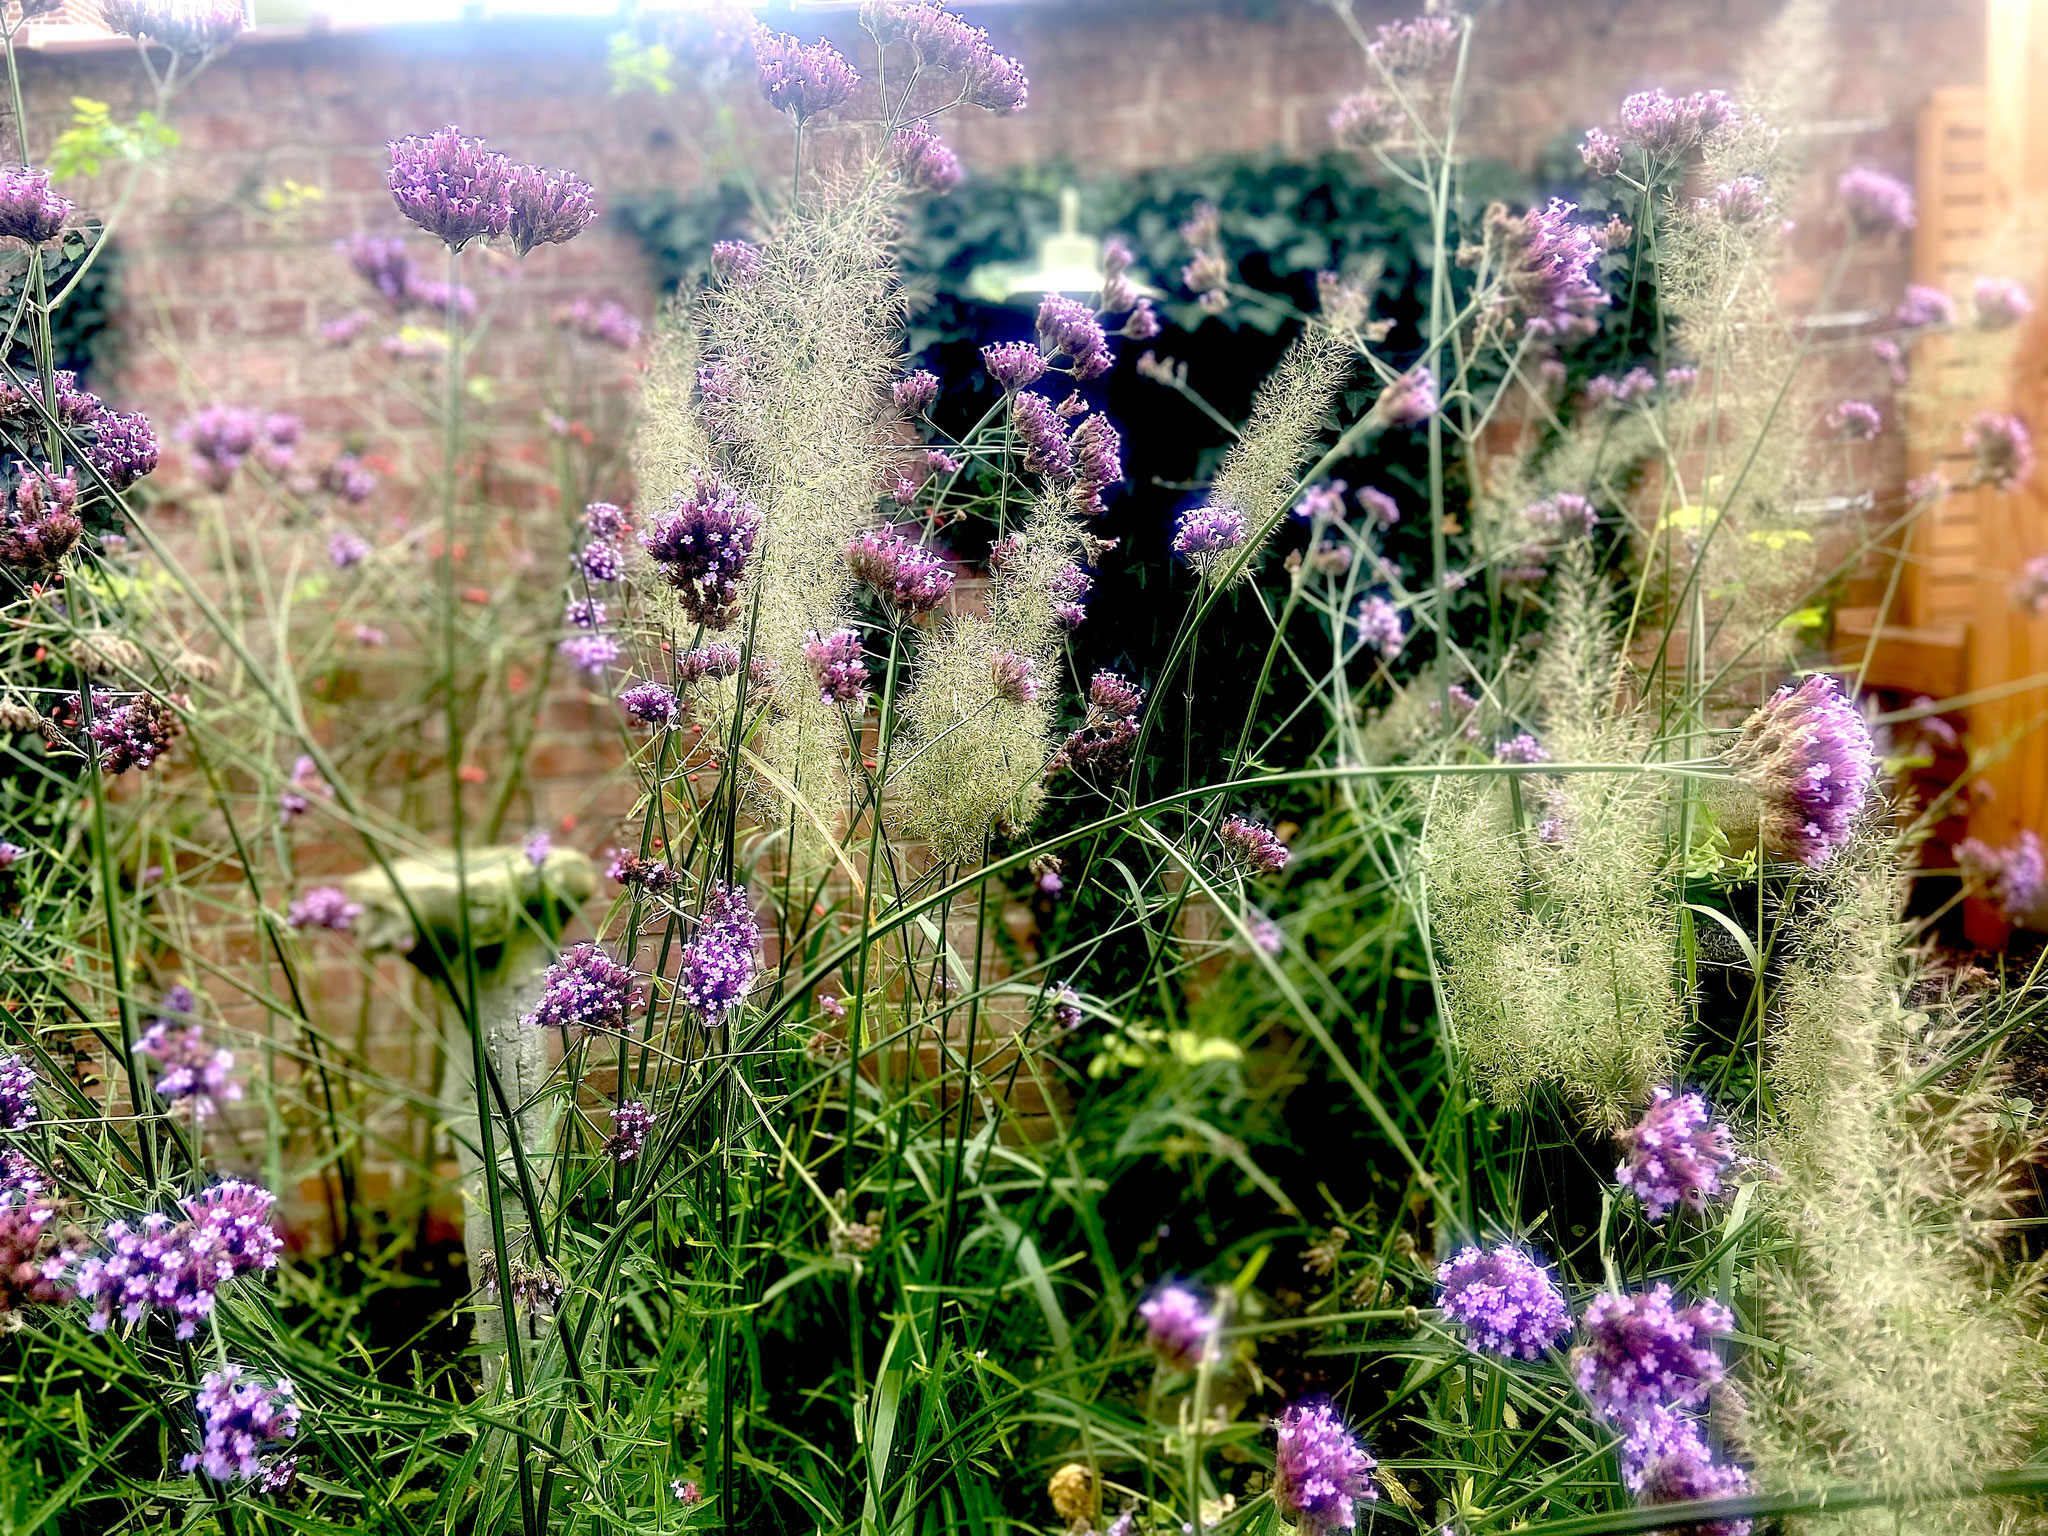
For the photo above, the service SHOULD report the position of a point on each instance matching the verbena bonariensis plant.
(1685, 1205)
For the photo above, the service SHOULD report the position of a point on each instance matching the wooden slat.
(1932, 661)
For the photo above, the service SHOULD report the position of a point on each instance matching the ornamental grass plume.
(1912, 1358)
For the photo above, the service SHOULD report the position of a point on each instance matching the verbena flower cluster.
(243, 1421)
(702, 543)
(585, 989)
(1507, 1301)
(1322, 1472)
(1180, 1326)
(1677, 1154)
(178, 1268)
(190, 1070)
(459, 191)
(720, 960)
(1809, 757)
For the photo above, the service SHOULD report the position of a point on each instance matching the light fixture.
(1068, 262)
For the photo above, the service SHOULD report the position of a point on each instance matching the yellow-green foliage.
(1556, 956)
(1911, 1351)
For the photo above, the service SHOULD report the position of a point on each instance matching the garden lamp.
(1068, 262)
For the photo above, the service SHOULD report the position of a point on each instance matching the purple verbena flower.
(1923, 308)
(1180, 1327)
(1601, 152)
(1675, 1155)
(1744, 200)
(585, 989)
(915, 392)
(1876, 204)
(1207, 532)
(537, 847)
(1068, 328)
(1520, 749)
(325, 906)
(1410, 400)
(1324, 502)
(653, 704)
(1321, 1471)
(2003, 448)
(452, 187)
(29, 211)
(735, 263)
(1506, 1300)
(346, 548)
(1665, 125)
(922, 159)
(1642, 1352)
(1415, 45)
(184, 26)
(631, 1122)
(36, 1254)
(1856, 419)
(383, 263)
(836, 665)
(590, 654)
(608, 323)
(548, 207)
(801, 79)
(1108, 730)
(178, 1268)
(2013, 878)
(602, 520)
(599, 562)
(718, 963)
(586, 613)
(1665, 1460)
(1999, 302)
(188, 1068)
(900, 572)
(241, 1421)
(17, 1094)
(1381, 629)
(1097, 451)
(1546, 265)
(134, 733)
(716, 660)
(346, 478)
(996, 83)
(221, 438)
(1014, 677)
(702, 544)
(629, 868)
(1037, 423)
(1810, 759)
(1254, 847)
(1014, 364)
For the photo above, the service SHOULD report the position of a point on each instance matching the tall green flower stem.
(467, 995)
